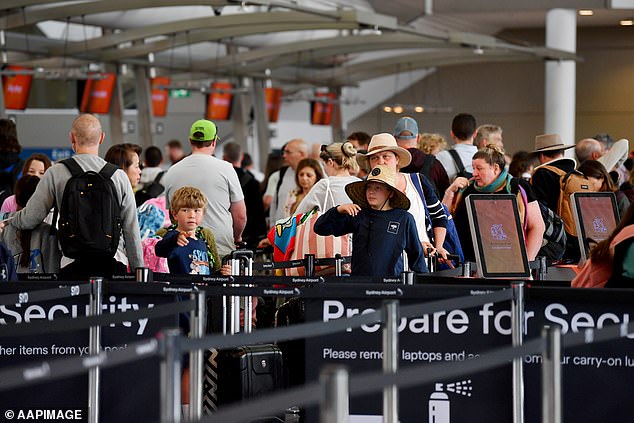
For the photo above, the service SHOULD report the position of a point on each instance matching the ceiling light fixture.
(626, 22)
(415, 108)
(586, 12)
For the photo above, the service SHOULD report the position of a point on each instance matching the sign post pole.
(94, 346)
(390, 359)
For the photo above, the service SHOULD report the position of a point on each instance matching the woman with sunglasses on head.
(339, 160)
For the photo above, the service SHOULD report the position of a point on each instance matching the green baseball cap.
(203, 130)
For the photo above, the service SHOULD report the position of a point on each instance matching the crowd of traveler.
(386, 190)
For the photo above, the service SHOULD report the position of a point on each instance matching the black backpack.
(150, 190)
(459, 165)
(90, 214)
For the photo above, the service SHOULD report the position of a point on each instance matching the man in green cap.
(225, 213)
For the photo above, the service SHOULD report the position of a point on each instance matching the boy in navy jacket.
(380, 224)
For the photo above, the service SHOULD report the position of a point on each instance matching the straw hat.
(616, 155)
(549, 142)
(382, 174)
(385, 142)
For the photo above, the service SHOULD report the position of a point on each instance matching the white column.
(559, 109)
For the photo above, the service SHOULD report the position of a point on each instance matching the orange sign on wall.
(219, 101)
(16, 88)
(273, 97)
(159, 95)
(321, 111)
(97, 94)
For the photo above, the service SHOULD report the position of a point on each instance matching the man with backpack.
(553, 181)
(457, 160)
(408, 137)
(95, 203)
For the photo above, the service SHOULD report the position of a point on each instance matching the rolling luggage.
(247, 371)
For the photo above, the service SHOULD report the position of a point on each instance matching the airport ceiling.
(295, 43)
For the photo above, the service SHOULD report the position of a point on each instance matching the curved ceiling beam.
(215, 35)
(280, 55)
(215, 23)
(350, 75)
(65, 10)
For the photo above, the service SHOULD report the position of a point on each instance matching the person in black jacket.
(380, 225)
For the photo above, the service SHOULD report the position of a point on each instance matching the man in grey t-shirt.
(86, 136)
(226, 213)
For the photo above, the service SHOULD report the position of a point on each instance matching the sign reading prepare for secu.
(596, 377)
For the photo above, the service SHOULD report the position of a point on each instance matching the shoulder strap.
(283, 170)
(158, 177)
(457, 160)
(554, 169)
(327, 194)
(427, 164)
(415, 177)
(108, 170)
(514, 187)
(72, 165)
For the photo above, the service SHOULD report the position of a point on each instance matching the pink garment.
(160, 202)
(596, 275)
(9, 205)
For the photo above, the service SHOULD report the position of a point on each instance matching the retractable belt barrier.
(45, 294)
(308, 394)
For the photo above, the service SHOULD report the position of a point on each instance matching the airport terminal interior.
(316, 210)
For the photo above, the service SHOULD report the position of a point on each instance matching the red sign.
(159, 95)
(273, 97)
(219, 101)
(97, 94)
(321, 111)
(16, 88)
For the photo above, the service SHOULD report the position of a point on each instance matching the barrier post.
(333, 407)
(196, 358)
(309, 264)
(517, 334)
(94, 348)
(390, 359)
(142, 274)
(248, 300)
(407, 277)
(171, 376)
(234, 302)
(466, 269)
(543, 268)
(551, 376)
(338, 261)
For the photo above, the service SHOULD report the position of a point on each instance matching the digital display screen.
(596, 217)
(498, 240)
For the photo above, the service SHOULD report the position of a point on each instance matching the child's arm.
(333, 222)
(165, 246)
(350, 209)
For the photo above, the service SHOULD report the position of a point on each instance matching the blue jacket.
(378, 240)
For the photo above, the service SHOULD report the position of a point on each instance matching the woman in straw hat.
(380, 225)
(383, 150)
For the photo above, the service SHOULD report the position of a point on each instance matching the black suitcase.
(243, 372)
(248, 372)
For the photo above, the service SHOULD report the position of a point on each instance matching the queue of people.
(400, 199)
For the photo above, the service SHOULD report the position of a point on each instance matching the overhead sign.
(16, 88)
(159, 95)
(273, 98)
(98, 94)
(219, 101)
